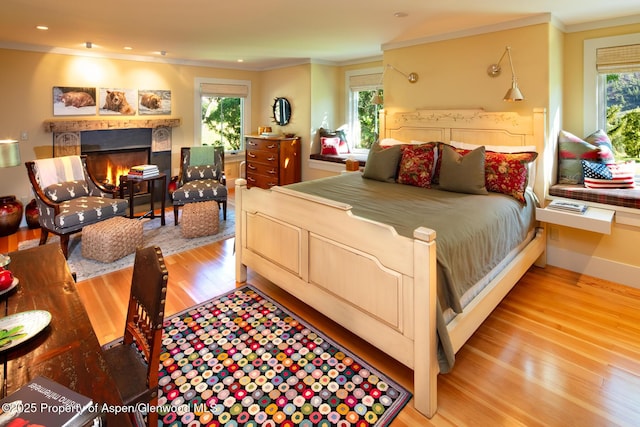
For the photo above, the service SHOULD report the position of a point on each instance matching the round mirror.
(281, 111)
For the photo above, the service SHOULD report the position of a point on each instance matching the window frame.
(593, 82)
(246, 111)
(351, 101)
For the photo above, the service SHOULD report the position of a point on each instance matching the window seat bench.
(625, 197)
(340, 158)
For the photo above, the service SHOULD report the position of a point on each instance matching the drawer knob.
(250, 154)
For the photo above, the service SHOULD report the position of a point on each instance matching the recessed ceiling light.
(401, 14)
(127, 48)
(42, 27)
(240, 60)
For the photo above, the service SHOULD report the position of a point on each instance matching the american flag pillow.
(599, 175)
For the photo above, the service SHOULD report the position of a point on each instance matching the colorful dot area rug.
(243, 360)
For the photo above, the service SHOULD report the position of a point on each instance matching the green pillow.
(382, 163)
(463, 173)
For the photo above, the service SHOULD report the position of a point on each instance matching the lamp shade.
(513, 94)
(9, 153)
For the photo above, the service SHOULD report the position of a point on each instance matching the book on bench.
(563, 205)
(45, 402)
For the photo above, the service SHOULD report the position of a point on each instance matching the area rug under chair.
(168, 238)
(241, 359)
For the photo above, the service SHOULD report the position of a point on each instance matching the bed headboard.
(474, 127)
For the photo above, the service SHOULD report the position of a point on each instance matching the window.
(619, 85)
(611, 65)
(222, 110)
(362, 86)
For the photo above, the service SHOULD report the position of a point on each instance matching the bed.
(379, 280)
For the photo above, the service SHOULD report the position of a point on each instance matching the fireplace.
(110, 154)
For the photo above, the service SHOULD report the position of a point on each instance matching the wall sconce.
(513, 94)
(412, 77)
(376, 99)
(9, 153)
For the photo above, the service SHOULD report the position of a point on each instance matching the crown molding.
(542, 18)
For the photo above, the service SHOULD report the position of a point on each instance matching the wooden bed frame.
(361, 273)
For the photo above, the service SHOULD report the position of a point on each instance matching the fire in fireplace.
(108, 166)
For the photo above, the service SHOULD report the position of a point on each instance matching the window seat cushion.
(626, 197)
(340, 158)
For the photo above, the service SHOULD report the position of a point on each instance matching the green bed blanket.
(474, 233)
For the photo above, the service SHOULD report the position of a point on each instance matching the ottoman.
(111, 239)
(200, 219)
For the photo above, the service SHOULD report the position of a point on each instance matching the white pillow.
(495, 148)
(388, 142)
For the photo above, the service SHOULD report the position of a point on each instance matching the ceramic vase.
(10, 215)
(32, 215)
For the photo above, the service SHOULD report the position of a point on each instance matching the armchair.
(69, 198)
(201, 178)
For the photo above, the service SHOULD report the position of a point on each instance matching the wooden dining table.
(67, 350)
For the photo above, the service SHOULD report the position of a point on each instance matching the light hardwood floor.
(561, 349)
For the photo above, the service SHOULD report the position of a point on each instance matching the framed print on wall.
(154, 101)
(118, 101)
(74, 101)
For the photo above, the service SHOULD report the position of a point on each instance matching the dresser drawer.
(263, 168)
(267, 157)
(262, 144)
(262, 181)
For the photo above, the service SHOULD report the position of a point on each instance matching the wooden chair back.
(134, 363)
(145, 313)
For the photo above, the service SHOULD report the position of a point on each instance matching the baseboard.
(624, 274)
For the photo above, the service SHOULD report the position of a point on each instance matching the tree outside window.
(622, 98)
(222, 122)
(367, 118)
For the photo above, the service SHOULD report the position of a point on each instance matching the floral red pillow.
(508, 173)
(416, 165)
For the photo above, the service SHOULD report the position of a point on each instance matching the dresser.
(272, 161)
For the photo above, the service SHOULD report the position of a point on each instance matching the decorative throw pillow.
(601, 140)
(329, 145)
(463, 173)
(201, 172)
(343, 146)
(416, 165)
(598, 175)
(382, 163)
(64, 191)
(571, 151)
(508, 173)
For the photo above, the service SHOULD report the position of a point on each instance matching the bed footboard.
(357, 272)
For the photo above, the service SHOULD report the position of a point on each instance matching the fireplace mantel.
(79, 125)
